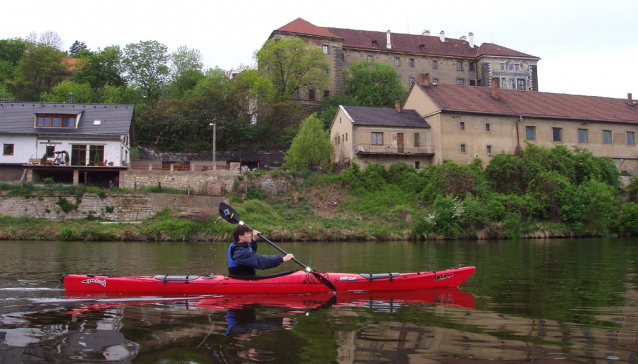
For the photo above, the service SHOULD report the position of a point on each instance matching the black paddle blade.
(228, 213)
(325, 281)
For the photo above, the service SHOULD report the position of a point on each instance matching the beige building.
(463, 123)
(449, 61)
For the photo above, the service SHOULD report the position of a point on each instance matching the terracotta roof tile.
(303, 27)
(385, 117)
(532, 104)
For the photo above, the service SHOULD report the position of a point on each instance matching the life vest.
(231, 262)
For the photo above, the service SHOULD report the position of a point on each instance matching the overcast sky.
(586, 47)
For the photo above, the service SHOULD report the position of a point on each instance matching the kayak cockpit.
(265, 276)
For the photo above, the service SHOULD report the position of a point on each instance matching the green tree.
(186, 70)
(373, 84)
(60, 93)
(330, 105)
(77, 47)
(102, 68)
(146, 65)
(291, 64)
(311, 146)
(39, 70)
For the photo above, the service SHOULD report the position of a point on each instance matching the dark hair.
(239, 231)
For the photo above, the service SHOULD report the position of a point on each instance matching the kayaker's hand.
(256, 234)
(289, 257)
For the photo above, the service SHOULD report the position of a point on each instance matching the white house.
(96, 138)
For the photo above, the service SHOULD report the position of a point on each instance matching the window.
(96, 153)
(459, 65)
(55, 121)
(326, 93)
(370, 58)
(325, 49)
(472, 82)
(582, 135)
(557, 134)
(520, 84)
(530, 133)
(460, 81)
(488, 149)
(50, 150)
(417, 164)
(78, 155)
(412, 81)
(471, 66)
(462, 125)
(462, 148)
(509, 65)
(631, 138)
(607, 137)
(435, 64)
(488, 127)
(397, 61)
(7, 149)
(516, 66)
(502, 66)
(311, 94)
(377, 138)
(411, 63)
(417, 142)
(435, 81)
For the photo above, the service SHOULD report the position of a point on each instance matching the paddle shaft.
(278, 248)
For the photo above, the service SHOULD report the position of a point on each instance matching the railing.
(177, 167)
(393, 149)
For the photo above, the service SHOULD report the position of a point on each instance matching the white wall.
(24, 147)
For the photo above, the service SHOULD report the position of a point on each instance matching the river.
(562, 300)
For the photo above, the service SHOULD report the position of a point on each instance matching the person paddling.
(242, 254)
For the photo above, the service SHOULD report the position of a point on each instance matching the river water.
(529, 301)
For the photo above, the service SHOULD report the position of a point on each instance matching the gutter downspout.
(518, 150)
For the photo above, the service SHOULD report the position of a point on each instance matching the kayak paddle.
(229, 214)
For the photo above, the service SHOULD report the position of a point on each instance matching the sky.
(586, 47)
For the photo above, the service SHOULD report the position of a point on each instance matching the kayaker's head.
(242, 234)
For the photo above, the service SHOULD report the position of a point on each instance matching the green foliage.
(82, 93)
(311, 147)
(65, 205)
(373, 84)
(68, 234)
(109, 209)
(629, 218)
(255, 193)
(146, 65)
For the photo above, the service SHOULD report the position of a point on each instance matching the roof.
(19, 117)
(374, 116)
(411, 43)
(531, 104)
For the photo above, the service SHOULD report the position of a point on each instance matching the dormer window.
(55, 121)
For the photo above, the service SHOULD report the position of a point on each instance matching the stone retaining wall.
(114, 207)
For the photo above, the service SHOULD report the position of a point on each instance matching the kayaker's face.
(246, 237)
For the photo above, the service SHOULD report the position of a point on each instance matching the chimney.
(424, 79)
(442, 36)
(630, 99)
(495, 88)
(388, 44)
(463, 38)
(470, 39)
(397, 106)
(426, 32)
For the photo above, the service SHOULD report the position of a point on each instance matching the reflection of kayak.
(287, 282)
(444, 296)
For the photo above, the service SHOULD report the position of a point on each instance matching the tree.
(102, 68)
(77, 47)
(373, 84)
(48, 38)
(39, 70)
(186, 70)
(60, 93)
(330, 105)
(291, 64)
(311, 146)
(146, 65)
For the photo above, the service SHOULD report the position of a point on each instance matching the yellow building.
(463, 123)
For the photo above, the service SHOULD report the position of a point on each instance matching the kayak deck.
(284, 283)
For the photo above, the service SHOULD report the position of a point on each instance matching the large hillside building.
(448, 61)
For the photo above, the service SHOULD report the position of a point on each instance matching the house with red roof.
(463, 123)
(449, 61)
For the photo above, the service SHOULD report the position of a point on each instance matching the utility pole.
(214, 125)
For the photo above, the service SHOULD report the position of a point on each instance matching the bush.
(68, 234)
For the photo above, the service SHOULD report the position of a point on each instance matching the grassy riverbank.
(540, 193)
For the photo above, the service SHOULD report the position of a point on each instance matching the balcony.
(393, 150)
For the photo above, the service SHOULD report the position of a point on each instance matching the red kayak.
(291, 282)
